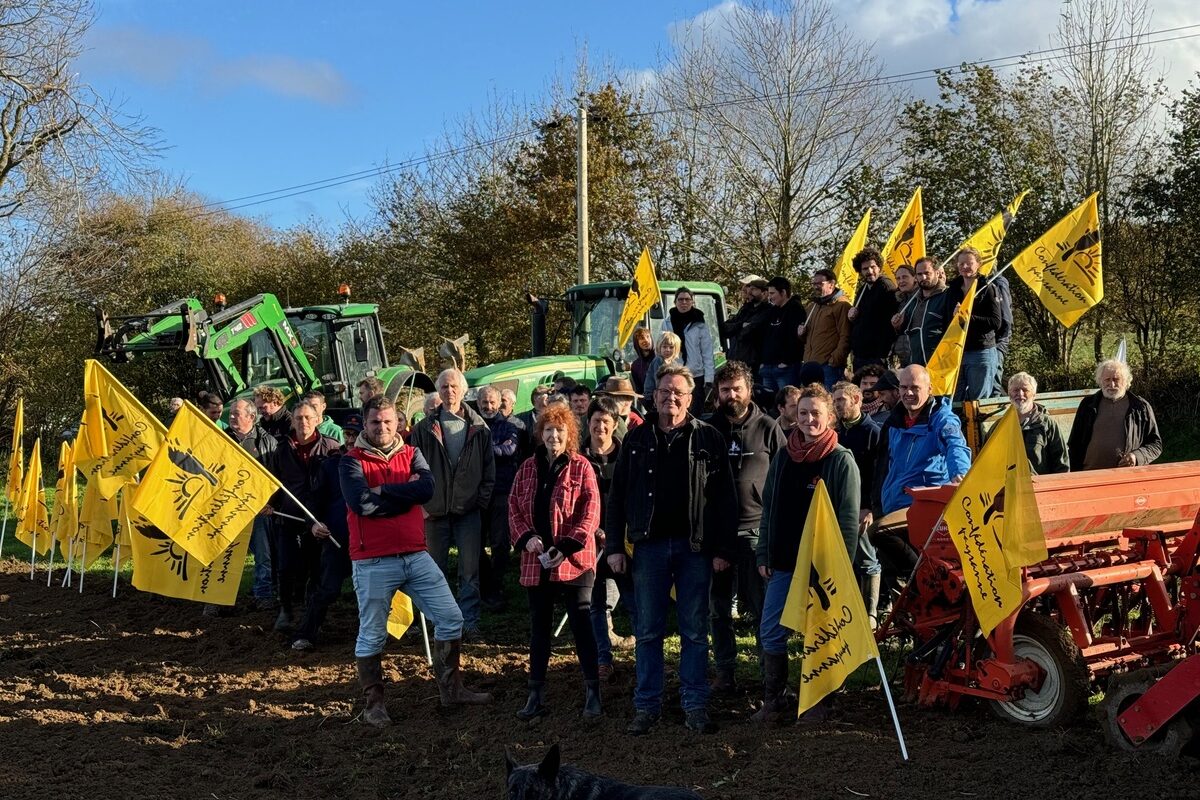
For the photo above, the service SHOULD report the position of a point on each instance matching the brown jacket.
(827, 332)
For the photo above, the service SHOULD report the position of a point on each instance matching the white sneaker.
(302, 644)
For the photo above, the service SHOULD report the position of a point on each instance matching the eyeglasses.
(666, 393)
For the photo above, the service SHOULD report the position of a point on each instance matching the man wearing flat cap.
(745, 329)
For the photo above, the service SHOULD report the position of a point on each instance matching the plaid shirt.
(574, 514)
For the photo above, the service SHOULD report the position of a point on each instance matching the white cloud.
(166, 59)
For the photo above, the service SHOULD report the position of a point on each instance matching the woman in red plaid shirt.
(553, 513)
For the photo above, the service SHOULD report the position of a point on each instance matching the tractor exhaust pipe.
(537, 324)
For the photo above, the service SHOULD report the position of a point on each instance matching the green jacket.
(1045, 444)
(842, 481)
(331, 429)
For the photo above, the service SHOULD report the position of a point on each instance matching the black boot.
(446, 659)
(591, 699)
(534, 707)
(775, 673)
(870, 590)
(370, 678)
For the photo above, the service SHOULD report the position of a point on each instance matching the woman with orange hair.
(553, 513)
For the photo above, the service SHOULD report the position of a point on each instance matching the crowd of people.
(605, 503)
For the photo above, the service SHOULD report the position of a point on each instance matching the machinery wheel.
(1124, 691)
(1065, 689)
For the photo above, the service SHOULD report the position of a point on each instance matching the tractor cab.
(344, 344)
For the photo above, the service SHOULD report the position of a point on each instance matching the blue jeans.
(465, 531)
(771, 634)
(866, 560)
(260, 549)
(977, 374)
(775, 377)
(659, 564)
(376, 581)
(829, 375)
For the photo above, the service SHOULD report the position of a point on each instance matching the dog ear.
(548, 769)
(509, 764)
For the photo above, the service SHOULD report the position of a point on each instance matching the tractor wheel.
(1124, 691)
(1064, 691)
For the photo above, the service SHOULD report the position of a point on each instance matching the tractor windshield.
(316, 343)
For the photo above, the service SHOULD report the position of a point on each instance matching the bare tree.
(785, 105)
(57, 136)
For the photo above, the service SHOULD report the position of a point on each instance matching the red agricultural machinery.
(1117, 599)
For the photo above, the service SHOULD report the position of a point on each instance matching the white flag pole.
(284, 489)
(116, 568)
(66, 581)
(50, 565)
(32, 552)
(425, 636)
(4, 530)
(82, 565)
(892, 707)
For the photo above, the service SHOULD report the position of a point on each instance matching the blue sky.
(252, 96)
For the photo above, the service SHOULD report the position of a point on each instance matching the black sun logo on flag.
(190, 477)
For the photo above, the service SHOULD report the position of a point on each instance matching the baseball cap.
(751, 278)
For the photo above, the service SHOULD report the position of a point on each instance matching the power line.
(1000, 62)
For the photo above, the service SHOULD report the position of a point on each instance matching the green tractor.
(326, 347)
(594, 309)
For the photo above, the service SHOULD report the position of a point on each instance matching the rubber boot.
(724, 684)
(591, 699)
(870, 590)
(775, 672)
(447, 657)
(534, 705)
(370, 678)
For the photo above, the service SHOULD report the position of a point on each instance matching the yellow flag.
(1063, 266)
(161, 567)
(96, 517)
(34, 527)
(992, 519)
(117, 437)
(64, 520)
(907, 243)
(16, 461)
(946, 361)
(202, 489)
(401, 616)
(987, 240)
(825, 604)
(643, 294)
(847, 278)
(123, 546)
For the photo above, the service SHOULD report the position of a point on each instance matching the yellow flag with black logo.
(946, 361)
(160, 566)
(987, 240)
(96, 517)
(643, 294)
(825, 605)
(847, 278)
(64, 520)
(906, 245)
(993, 521)
(400, 616)
(123, 546)
(16, 461)
(1063, 266)
(202, 489)
(117, 436)
(34, 526)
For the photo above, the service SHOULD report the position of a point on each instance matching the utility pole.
(581, 192)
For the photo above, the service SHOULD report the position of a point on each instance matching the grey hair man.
(457, 443)
(1113, 427)
(1045, 444)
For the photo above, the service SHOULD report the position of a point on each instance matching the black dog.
(549, 781)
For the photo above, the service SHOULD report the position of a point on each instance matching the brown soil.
(141, 697)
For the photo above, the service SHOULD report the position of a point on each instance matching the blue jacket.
(929, 453)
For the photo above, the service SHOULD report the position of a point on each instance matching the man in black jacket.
(1113, 427)
(243, 428)
(871, 331)
(746, 328)
(673, 498)
(925, 318)
(782, 352)
(753, 439)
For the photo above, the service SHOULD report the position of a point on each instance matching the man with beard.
(753, 439)
(926, 317)
(1045, 444)
(745, 329)
(826, 333)
(785, 407)
(871, 331)
(867, 380)
(1113, 427)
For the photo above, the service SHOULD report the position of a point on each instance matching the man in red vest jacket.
(384, 482)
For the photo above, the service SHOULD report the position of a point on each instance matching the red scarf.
(802, 451)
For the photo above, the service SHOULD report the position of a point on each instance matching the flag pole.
(4, 530)
(308, 513)
(425, 636)
(32, 552)
(66, 581)
(116, 568)
(50, 566)
(82, 565)
(891, 706)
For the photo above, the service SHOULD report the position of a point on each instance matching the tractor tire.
(1064, 691)
(1124, 691)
